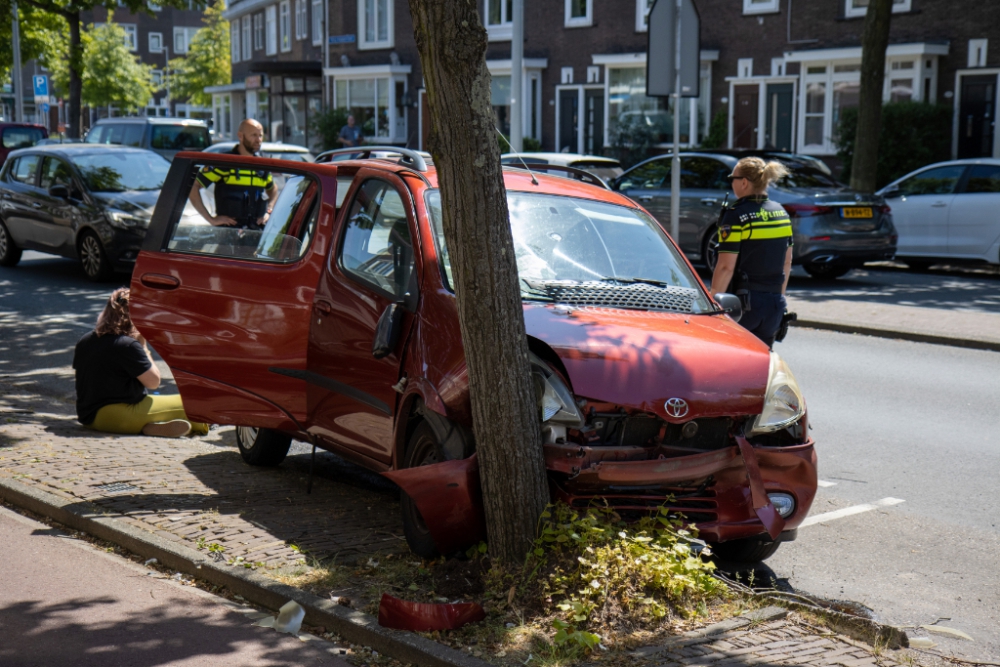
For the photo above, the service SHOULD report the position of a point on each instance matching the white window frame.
(584, 21)
(131, 36)
(642, 8)
(744, 68)
(363, 41)
(498, 32)
(285, 26)
(153, 6)
(182, 38)
(156, 76)
(391, 74)
(247, 43)
(155, 36)
(898, 7)
(301, 19)
(271, 30)
(317, 22)
(752, 7)
(258, 31)
(977, 52)
(234, 40)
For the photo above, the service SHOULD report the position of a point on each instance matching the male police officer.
(239, 193)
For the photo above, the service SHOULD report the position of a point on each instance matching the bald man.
(239, 193)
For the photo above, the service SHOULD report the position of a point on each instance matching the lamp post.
(166, 76)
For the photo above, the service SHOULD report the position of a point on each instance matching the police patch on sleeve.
(724, 232)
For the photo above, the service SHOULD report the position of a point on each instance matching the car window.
(95, 135)
(23, 171)
(704, 173)
(939, 181)
(132, 134)
(377, 247)
(114, 134)
(179, 137)
(121, 170)
(284, 236)
(646, 176)
(21, 137)
(984, 178)
(55, 172)
(801, 175)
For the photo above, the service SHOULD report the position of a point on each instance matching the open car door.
(229, 309)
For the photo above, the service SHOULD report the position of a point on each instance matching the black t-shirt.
(107, 372)
(761, 232)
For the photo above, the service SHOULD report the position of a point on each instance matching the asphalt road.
(893, 421)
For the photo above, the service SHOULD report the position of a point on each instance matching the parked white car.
(948, 210)
(604, 168)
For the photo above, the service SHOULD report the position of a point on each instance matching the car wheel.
(749, 550)
(93, 259)
(262, 446)
(10, 254)
(710, 248)
(826, 271)
(423, 449)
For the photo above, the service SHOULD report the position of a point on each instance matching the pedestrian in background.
(350, 134)
(113, 371)
(755, 248)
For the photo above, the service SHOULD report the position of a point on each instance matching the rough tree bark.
(74, 115)
(452, 44)
(874, 41)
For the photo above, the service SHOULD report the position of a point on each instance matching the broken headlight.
(783, 402)
(555, 402)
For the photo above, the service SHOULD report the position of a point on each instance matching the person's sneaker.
(171, 429)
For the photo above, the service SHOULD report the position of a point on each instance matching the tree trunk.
(452, 44)
(74, 115)
(874, 41)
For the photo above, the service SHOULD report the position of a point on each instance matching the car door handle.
(645, 197)
(709, 201)
(323, 307)
(159, 281)
(35, 204)
(939, 204)
(6, 196)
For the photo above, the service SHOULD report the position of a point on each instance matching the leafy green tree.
(44, 37)
(112, 74)
(207, 61)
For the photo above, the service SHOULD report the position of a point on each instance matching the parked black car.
(78, 200)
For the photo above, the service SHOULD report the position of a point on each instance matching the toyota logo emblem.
(676, 407)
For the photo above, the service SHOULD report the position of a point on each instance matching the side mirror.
(731, 305)
(387, 331)
(59, 191)
(892, 191)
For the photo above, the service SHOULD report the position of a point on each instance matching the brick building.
(781, 70)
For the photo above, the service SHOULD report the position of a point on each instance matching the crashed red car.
(337, 325)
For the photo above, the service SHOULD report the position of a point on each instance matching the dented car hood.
(640, 359)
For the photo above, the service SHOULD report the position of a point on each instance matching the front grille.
(638, 296)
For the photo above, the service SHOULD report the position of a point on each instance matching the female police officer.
(755, 248)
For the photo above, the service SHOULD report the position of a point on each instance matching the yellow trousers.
(130, 419)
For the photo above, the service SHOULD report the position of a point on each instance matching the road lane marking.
(823, 483)
(850, 511)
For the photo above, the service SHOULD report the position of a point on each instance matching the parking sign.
(40, 82)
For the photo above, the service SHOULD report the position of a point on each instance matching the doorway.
(745, 116)
(580, 119)
(778, 130)
(977, 116)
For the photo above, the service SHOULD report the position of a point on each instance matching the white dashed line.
(824, 484)
(849, 511)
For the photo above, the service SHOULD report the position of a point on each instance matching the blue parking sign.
(41, 85)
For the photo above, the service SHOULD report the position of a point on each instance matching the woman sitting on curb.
(113, 371)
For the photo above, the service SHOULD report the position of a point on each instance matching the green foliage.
(593, 565)
(111, 73)
(571, 643)
(718, 130)
(631, 139)
(44, 36)
(530, 145)
(207, 62)
(913, 134)
(328, 125)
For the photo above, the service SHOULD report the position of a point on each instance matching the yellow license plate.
(857, 212)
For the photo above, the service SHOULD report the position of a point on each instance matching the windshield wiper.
(533, 293)
(630, 281)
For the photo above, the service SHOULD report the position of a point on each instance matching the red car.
(336, 324)
(19, 135)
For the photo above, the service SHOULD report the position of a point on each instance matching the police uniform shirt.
(760, 231)
(239, 193)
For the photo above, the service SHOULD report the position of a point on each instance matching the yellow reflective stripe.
(210, 174)
(762, 232)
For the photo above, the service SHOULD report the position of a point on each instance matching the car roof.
(153, 120)
(947, 163)
(32, 125)
(74, 150)
(272, 146)
(565, 159)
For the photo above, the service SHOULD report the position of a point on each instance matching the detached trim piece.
(334, 386)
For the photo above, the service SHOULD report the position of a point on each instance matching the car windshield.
(179, 137)
(802, 176)
(119, 171)
(21, 137)
(565, 242)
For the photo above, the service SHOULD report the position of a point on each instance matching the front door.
(569, 120)
(778, 124)
(745, 116)
(57, 215)
(920, 213)
(977, 116)
(973, 224)
(703, 189)
(593, 121)
(351, 400)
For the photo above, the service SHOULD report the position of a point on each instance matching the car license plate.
(856, 212)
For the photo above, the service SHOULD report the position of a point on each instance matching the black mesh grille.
(639, 296)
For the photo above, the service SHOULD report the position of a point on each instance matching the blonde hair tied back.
(761, 174)
(115, 319)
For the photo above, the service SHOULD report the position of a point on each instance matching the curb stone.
(916, 337)
(354, 626)
(861, 629)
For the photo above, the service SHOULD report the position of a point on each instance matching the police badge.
(724, 232)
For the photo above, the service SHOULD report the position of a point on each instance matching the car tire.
(262, 446)
(827, 271)
(93, 258)
(918, 264)
(749, 550)
(710, 248)
(10, 254)
(422, 449)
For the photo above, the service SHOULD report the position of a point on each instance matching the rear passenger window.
(23, 171)
(647, 176)
(940, 181)
(243, 196)
(114, 134)
(133, 134)
(702, 173)
(984, 178)
(377, 247)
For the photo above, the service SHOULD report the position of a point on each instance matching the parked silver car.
(271, 149)
(948, 211)
(835, 228)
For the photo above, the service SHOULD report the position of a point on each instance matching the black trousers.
(764, 317)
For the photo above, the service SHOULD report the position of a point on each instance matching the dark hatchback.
(80, 201)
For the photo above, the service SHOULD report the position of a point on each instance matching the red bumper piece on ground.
(762, 506)
(419, 617)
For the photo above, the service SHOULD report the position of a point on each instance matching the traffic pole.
(675, 165)
(516, 75)
(16, 76)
